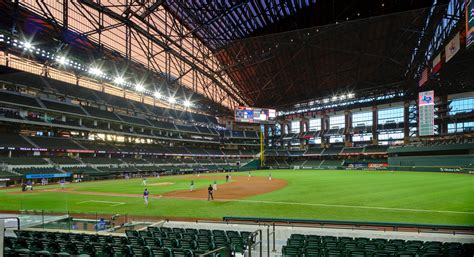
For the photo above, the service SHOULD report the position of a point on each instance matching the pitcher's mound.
(240, 187)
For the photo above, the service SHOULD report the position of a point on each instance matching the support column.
(406, 121)
(348, 128)
(375, 125)
(303, 129)
(324, 127)
(443, 113)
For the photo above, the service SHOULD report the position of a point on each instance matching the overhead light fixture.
(119, 80)
(187, 103)
(157, 94)
(171, 100)
(139, 87)
(27, 45)
(62, 60)
(334, 98)
(95, 71)
(350, 95)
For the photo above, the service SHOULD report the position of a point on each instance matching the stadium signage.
(4, 179)
(57, 175)
(469, 24)
(426, 113)
(450, 169)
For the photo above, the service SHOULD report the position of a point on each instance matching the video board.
(254, 115)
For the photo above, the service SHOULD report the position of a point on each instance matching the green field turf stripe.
(332, 205)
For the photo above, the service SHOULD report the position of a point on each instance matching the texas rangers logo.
(427, 99)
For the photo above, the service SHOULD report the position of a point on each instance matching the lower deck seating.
(315, 245)
(64, 160)
(81, 170)
(6, 174)
(118, 169)
(155, 241)
(330, 163)
(26, 171)
(23, 160)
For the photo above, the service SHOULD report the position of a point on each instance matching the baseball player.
(145, 196)
(214, 186)
(191, 186)
(210, 195)
(144, 182)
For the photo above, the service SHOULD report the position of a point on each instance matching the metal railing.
(18, 227)
(251, 245)
(214, 251)
(272, 234)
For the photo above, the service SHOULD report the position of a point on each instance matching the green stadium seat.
(382, 254)
(406, 254)
(182, 253)
(191, 231)
(188, 244)
(358, 254)
(160, 252)
(295, 242)
(312, 252)
(290, 251)
(334, 253)
(178, 230)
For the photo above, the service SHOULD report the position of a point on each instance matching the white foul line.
(94, 201)
(335, 205)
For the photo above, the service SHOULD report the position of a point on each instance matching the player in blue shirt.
(145, 196)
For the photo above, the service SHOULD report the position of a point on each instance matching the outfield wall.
(433, 160)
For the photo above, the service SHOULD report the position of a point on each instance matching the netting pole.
(262, 149)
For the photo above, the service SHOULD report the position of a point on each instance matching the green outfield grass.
(408, 197)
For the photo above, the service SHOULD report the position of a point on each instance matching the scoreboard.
(254, 115)
(426, 113)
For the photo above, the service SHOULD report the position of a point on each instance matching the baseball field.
(382, 196)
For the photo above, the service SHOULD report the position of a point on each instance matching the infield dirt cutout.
(161, 184)
(240, 187)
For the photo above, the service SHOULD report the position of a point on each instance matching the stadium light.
(119, 80)
(350, 95)
(157, 94)
(171, 100)
(95, 71)
(334, 98)
(187, 103)
(27, 45)
(139, 87)
(62, 60)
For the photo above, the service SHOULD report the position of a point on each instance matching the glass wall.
(460, 127)
(461, 105)
(390, 115)
(337, 122)
(315, 124)
(295, 126)
(362, 119)
(386, 118)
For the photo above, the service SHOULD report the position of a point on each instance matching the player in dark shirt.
(145, 196)
(210, 196)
